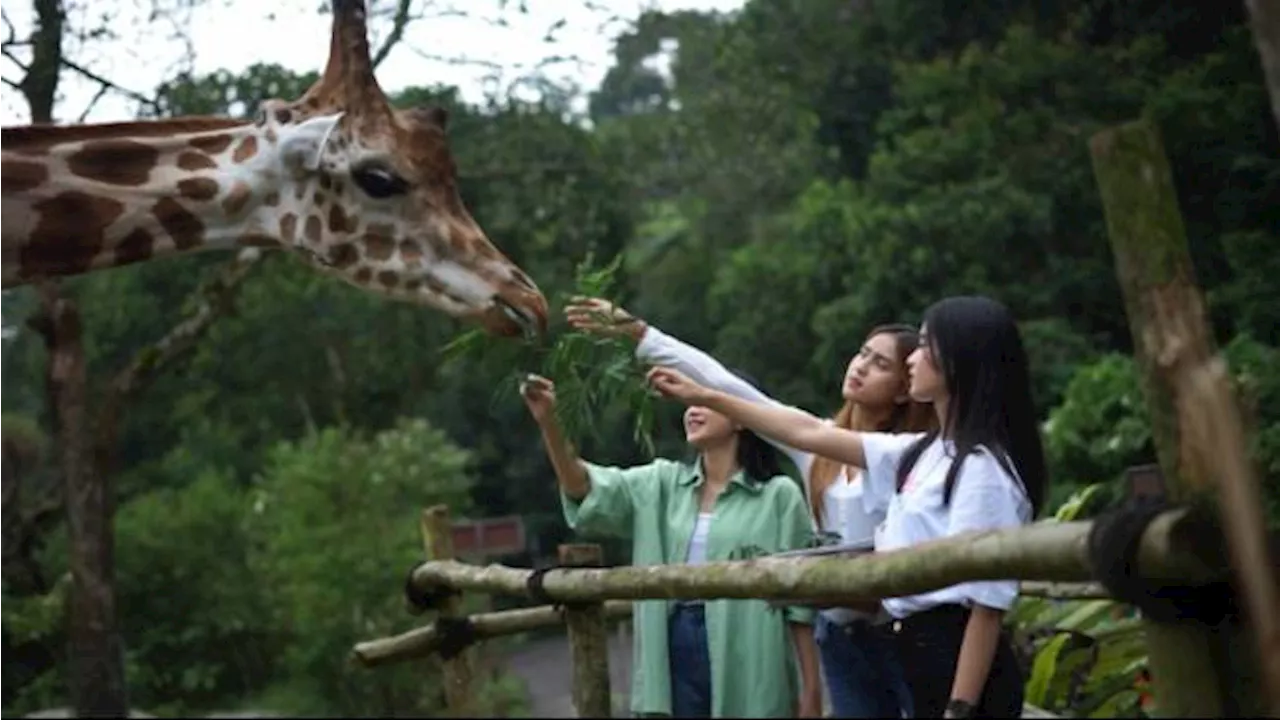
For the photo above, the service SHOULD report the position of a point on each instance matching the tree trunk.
(1264, 17)
(1199, 670)
(97, 680)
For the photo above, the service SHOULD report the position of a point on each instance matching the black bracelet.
(959, 709)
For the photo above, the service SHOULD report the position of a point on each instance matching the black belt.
(948, 615)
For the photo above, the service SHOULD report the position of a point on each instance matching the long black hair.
(978, 350)
(760, 461)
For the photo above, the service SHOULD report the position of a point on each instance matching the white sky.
(233, 34)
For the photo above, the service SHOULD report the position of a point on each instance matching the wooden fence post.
(1165, 309)
(588, 641)
(437, 540)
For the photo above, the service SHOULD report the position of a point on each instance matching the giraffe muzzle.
(529, 324)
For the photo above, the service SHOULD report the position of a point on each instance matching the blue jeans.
(690, 662)
(862, 673)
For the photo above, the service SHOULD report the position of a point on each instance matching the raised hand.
(539, 396)
(597, 315)
(675, 384)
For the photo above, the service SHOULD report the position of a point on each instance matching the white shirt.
(698, 541)
(846, 508)
(986, 497)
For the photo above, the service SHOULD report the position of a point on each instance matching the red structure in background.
(489, 536)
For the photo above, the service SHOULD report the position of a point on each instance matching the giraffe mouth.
(525, 320)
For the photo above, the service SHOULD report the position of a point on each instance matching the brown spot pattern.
(247, 148)
(339, 221)
(388, 278)
(272, 199)
(411, 253)
(343, 255)
(363, 275)
(183, 227)
(192, 161)
(212, 144)
(22, 175)
(378, 246)
(256, 240)
(288, 227)
(114, 162)
(135, 247)
(69, 234)
(202, 189)
(236, 198)
(313, 228)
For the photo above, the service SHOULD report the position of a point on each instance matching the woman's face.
(705, 428)
(927, 384)
(875, 377)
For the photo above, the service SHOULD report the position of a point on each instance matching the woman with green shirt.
(718, 658)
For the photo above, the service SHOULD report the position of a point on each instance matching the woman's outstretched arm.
(599, 316)
(794, 427)
(539, 395)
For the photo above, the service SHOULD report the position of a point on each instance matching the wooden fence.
(1051, 555)
(1199, 669)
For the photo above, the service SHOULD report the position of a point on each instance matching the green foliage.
(590, 371)
(33, 617)
(198, 629)
(334, 520)
(1086, 656)
(1101, 427)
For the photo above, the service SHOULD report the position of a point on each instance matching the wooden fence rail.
(425, 641)
(1046, 551)
(1051, 555)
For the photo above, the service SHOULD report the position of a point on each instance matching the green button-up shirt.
(753, 668)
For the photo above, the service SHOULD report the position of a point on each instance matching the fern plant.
(590, 371)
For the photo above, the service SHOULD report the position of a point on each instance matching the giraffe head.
(372, 194)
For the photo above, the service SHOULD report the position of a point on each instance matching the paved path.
(544, 665)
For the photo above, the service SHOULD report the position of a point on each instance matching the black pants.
(928, 647)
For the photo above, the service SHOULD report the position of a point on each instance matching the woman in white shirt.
(984, 470)
(862, 680)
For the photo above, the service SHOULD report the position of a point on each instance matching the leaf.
(1043, 670)
(589, 370)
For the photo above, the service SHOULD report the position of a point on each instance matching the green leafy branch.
(590, 371)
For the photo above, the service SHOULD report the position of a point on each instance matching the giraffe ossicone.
(354, 187)
(303, 145)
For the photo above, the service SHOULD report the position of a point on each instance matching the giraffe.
(356, 188)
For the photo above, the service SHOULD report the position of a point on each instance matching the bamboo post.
(437, 541)
(1165, 309)
(588, 641)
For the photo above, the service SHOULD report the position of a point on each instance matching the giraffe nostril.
(524, 281)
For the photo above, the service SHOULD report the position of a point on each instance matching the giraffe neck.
(77, 199)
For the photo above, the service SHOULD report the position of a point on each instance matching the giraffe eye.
(379, 183)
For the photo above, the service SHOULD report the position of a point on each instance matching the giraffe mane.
(22, 138)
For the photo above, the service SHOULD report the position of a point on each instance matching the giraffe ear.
(302, 145)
